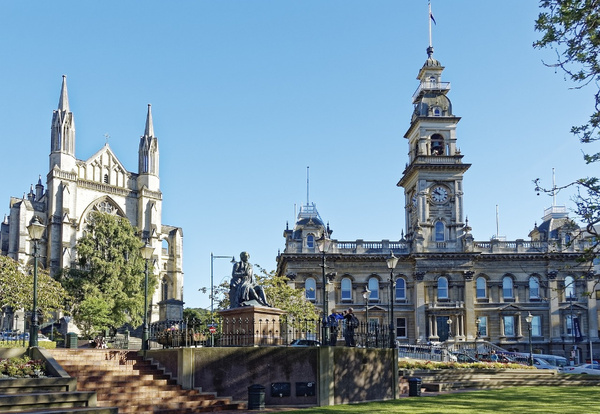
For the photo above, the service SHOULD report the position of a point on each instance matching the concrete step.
(44, 400)
(84, 410)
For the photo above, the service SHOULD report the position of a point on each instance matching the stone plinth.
(252, 326)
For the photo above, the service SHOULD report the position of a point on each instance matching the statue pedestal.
(252, 326)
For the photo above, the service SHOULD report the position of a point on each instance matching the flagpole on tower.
(430, 18)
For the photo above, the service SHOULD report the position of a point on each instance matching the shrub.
(23, 367)
(414, 364)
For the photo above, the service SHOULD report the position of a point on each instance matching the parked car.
(305, 342)
(582, 369)
(43, 338)
(540, 363)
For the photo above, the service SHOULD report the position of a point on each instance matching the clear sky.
(246, 94)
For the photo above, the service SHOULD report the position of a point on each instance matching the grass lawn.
(516, 400)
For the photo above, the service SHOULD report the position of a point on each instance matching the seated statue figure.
(243, 289)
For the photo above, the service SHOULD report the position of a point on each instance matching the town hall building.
(446, 285)
(74, 188)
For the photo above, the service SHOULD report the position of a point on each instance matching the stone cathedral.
(74, 188)
(446, 285)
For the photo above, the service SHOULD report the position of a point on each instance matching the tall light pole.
(392, 261)
(212, 291)
(147, 251)
(324, 244)
(529, 320)
(366, 294)
(35, 230)
(477, 322)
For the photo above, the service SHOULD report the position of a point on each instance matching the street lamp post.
(529, 320)
(147, 251)
(366, 294)
(477, 322)
(392, 261)
(212, 292)
(449, 322)
(35, 230)
(324, 244)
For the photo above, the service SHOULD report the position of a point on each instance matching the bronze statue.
(243, 289)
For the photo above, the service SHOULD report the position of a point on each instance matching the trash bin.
(71, 340)
(414, 387)
(256, 397)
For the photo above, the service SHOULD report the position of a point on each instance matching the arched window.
(400, 289)
(310, 241)
(346, 289)
(442, 288)
(439, 231)
(310, 286)
(374, 288)
(437, 111)
(437, 144)
(507, 287)
(481, 287)
(534, 288)
(165, 246)
(569, 288)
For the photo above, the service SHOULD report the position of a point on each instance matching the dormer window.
(310, 241)
(437, 111)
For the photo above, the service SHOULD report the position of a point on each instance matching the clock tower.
(433, 178)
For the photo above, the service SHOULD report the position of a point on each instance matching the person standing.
(334, 327)
(351, 325)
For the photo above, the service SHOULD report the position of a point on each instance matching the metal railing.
(262, 332)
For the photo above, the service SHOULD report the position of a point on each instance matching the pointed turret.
(62, 152)
(148, 155)
(39, 189)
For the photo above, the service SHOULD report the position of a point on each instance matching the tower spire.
(63, 101)
(149, 132)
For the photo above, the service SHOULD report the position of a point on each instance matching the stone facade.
(74, 188)
(446, 285)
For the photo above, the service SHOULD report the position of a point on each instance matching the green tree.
(572, 29)
(16, 288)
(111, 270)
(283, 296)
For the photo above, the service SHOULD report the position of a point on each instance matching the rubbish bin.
(256, 397)
(71, 340)
(414, 387)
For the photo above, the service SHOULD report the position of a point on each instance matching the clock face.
(439, 194)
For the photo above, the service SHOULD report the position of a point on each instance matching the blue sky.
(246, 94)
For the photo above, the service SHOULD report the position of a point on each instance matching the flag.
(432, 18)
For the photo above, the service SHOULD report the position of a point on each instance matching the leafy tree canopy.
(572, 29)
(16, 288)
(108, 286)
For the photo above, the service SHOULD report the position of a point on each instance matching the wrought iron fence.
(263, 332)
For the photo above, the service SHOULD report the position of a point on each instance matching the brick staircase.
(123, 379)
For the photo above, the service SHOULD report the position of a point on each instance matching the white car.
(582, 369)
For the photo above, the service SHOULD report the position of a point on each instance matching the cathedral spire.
(148, 155)
(62, 139)
(149, 132)
(63, 102)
